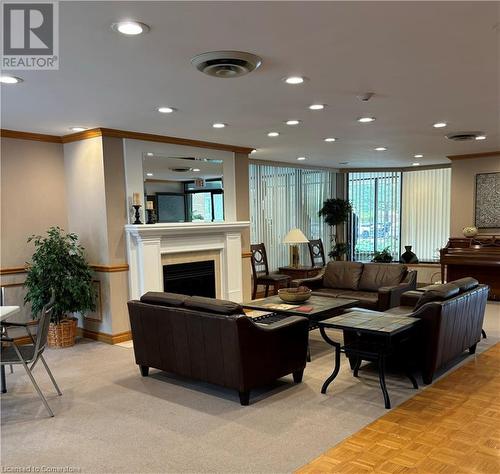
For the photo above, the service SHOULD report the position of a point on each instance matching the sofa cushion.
(377, 275)
(465, 284)
(439, 293)
(333, 292)
(343, 275)
(163, 299)
(367, 299)
(213, 305)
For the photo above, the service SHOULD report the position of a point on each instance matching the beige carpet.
(110, 419)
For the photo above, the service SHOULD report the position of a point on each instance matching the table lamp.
(294, 237)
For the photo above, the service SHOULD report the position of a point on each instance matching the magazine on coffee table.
(280, 307)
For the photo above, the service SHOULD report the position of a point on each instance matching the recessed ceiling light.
(294, 80)
(415, 164)
(366, 119)
(166, 110)
(418, 156)
(292, 122)
(317, 106)
(149, 174)
(380, 148)
(301, 158)
(149, 153)
(196, 170)
(273, 134)
(330, 139)
(253, 151)
(6, 79)
(78, 129)
(481, 137)
(218, 125)
(130, 28)
(440, 124)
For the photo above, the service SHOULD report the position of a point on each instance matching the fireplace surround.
(149, 247)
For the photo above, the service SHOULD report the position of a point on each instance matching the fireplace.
(193, 278)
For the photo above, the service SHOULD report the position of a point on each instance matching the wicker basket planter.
(62, 334)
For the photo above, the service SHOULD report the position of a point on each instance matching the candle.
(149, 205)
(137, 199)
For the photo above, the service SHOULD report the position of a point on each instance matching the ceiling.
(425, 61)
(163, 168)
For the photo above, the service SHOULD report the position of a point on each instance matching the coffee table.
(377, 336)
(323, 307)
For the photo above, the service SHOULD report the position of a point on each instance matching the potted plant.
(59, 265)
(339, 251)
(384, 256)
(336, 211)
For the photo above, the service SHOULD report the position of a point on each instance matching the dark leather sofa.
(377, 286)
(452, 317)
(213, 341)
(452, 314)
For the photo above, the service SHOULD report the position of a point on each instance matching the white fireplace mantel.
(147, 243)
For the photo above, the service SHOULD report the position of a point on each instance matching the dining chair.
(317, 253)
(30, 353)
(261, 274)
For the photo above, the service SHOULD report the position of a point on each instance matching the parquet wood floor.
(452, 427)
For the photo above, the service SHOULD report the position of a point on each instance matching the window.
(283, 198)
(425, 223)
(376, 202)
(206, 203)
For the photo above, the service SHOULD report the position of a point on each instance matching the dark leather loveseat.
(452, 315)
(377, 286)
(213, 341)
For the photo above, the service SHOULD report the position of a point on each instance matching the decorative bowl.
(470, 231)
(295, 295)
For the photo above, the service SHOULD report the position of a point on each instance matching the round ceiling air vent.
(226, 63)
(463, 136)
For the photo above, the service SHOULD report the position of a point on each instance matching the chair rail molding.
(147, 243)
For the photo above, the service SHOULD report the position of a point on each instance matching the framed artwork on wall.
(487, 210)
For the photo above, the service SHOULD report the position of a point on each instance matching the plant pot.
(62, 334)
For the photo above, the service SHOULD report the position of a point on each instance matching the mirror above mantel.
(183, 188)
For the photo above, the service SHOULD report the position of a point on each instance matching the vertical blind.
(425, 218)
(284, 198)
(376, 204)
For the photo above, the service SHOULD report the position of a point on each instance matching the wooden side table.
(300, 272)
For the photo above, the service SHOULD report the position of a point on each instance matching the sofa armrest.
(410, 298)
(390, 296)
(271, 351)
(312, 283)
(411, 279)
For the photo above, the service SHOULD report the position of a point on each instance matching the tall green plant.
(59, 264)
(336, 211)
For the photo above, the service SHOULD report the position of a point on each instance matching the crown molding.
(39, 137)
(111, 132)
(474, 155)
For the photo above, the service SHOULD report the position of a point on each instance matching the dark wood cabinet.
(478, 257)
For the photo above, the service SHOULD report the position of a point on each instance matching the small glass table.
(375, 337)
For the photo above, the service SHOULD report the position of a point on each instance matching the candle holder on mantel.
(137, 214)
(151, 216)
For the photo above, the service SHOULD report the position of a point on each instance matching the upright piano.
(477, 257)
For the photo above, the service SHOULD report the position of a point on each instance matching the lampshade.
(295, 236)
